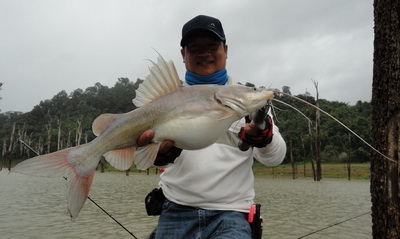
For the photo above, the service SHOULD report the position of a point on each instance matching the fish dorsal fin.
(162, 80)
(102, 122)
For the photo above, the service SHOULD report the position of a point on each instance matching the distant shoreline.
(329, 170)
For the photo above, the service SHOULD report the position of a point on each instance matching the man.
(209, 191)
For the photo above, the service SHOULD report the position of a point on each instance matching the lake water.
(35, 207)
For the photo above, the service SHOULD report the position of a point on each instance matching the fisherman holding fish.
(193, 130)
(209, 191)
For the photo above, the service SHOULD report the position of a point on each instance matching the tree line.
(66, 119)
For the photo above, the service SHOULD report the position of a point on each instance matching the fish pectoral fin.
(219, 113)
(102, 122)
(145, 156)
(225, 114)
(210, 110)
(121, 159)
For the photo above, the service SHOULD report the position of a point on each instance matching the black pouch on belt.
(154, 202)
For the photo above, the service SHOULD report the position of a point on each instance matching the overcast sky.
(47, 46)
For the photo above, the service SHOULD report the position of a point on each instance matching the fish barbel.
(193, 117)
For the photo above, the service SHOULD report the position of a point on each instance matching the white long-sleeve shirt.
(219, 177)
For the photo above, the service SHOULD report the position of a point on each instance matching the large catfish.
(193, 117)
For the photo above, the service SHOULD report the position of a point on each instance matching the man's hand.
(167, 152)
(253, 136)
(147, 137)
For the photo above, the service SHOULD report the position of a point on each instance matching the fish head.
(243, 100)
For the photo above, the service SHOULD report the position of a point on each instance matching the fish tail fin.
(78, 191)
(48, 165)
(68, 163)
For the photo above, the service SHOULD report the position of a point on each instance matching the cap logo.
(211, 25)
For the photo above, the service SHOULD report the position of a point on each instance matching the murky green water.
(35, 207)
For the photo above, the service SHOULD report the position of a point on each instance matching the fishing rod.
(332, 225)
(88, 197)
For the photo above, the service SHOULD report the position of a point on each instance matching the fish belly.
(193, 133)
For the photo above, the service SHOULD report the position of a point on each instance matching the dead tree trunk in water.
(78, 134)
(48, 127)
(21, 135)
(304, 158)
(59, 146)
(311, 151)
(349, 160)
(385, 174)
(317, 136)
(69, 140)
(3, 152)
(9, 154)
(102, 164)
(292, 160)
(39, 147)
(28, 152)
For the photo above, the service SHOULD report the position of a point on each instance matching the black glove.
(168, 157)
(262, 138)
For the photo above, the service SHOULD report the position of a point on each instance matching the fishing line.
(335, 224)
(339, 122)
(88, 197)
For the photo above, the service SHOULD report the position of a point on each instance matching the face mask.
(219, 78)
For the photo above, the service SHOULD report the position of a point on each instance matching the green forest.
(66, 119)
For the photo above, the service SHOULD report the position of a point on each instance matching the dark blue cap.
(202, 22)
